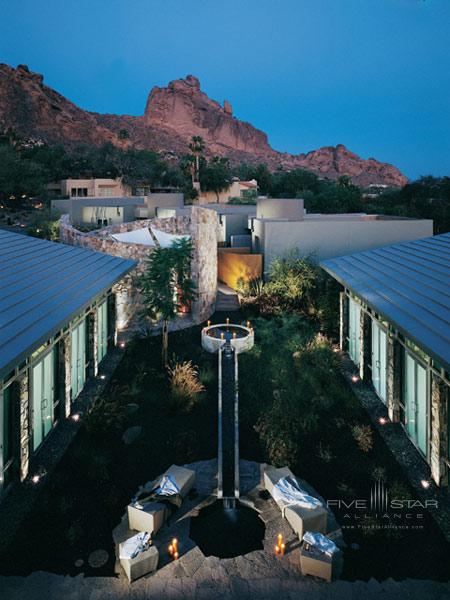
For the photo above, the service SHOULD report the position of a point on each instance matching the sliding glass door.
(415, 400)
(354, 330)
(102, 330)
(78, 358)
(379, 350)
(42, 382)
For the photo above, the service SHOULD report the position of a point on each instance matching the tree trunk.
(165, 343)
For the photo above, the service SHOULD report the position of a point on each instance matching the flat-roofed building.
(282, 226)
(236, 189)
(100, 212)
(395, 326)
(57, 324)
(92, 187)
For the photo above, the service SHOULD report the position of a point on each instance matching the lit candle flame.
(280, 546)
(173, 549)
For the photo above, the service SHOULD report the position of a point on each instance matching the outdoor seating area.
(308, 517)
(147, 513)
(163, 509)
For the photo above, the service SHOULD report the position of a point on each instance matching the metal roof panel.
(408, 284)
(45, 285)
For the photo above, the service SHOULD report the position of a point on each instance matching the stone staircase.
(227, 299)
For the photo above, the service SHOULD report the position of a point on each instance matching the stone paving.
(195, 576)
(257, 563)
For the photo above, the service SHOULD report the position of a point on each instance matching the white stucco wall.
(330, 238)
(280, 208)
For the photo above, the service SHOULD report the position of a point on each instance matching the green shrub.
(184, 446)
(207, 374)
(295, 285)
(398, 491)
(363, 435)
(290, 385)
(105, 416)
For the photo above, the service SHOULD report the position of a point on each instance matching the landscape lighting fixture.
(355, 378)
(425, 484)
(35, 479)
(382, 421)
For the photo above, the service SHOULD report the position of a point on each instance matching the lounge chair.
(300, 518)
(136, 561)
(147, 516)
(272, 476)
(306, 519)
(151, 509)
(184, 478)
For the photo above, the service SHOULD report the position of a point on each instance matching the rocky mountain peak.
(173, 114)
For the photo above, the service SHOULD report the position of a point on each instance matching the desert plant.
(167, 286)
(185, 385)
(324, 453)
(207, 374)
(363, 435)
(399, 491)
(379, 473)
(105, 416)
(184, 445)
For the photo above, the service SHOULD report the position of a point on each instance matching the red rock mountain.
(173, 114)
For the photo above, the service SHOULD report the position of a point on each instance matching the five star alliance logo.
(379, 498)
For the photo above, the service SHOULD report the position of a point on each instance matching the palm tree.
(197, 146)
(166, 285)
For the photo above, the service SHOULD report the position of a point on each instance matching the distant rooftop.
(109, 201)
(408, 284)
(355, 217)
(246, 209)
(44, 285)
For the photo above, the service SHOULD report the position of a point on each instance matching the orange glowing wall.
(236, 264)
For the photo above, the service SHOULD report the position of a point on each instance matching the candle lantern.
(280, 547)
(173, 549)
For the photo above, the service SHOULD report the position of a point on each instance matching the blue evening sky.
(371, 74)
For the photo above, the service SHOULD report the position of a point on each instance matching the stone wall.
(199, 223)
(365, 344)
(24, 425)
(440, 396)
(65, 358)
